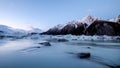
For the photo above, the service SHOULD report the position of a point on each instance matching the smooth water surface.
(23, 53)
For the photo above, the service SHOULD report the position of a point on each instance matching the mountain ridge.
(80, 27)
(88, 25)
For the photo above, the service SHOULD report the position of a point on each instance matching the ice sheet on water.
(84, 37)
(37, 54)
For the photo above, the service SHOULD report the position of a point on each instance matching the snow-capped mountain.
(73, 23)
(9, 31)
(85, 20)
(88, 19)
(75, 26)
(6, 29)
(88, 25)
(59, 26)
(35, 30)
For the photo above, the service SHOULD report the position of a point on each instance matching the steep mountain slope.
(76, 27)
(100, 27)
(117, 19)
(89, 25)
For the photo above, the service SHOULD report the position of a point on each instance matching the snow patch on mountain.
(35, 30)
(85, 20)
(112, 20)
(88, 19)
(59, 26)
(116, 19)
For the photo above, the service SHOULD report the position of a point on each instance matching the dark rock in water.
(52, 40)
(89, 47)
(116, 67)
(62, 40)
(1, 37)
(33, 33)
(118, 38)
(84, 55)
(74, 39)
(46, 43)
(37, 47)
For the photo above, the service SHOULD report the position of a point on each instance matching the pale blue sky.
(44, 14)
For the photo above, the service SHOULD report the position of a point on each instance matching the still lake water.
(23, 53)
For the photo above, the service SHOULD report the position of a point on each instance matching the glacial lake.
(28, 53)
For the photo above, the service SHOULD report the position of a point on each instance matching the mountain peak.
(88, 19)
(117, 19)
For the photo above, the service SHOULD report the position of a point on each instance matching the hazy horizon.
(44, 14)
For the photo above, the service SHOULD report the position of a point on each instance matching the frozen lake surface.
(28, 53)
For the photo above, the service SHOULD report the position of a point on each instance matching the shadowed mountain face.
(98, 27)
(74, 29)
(53, 31)
(103, 28)
(117, 19)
